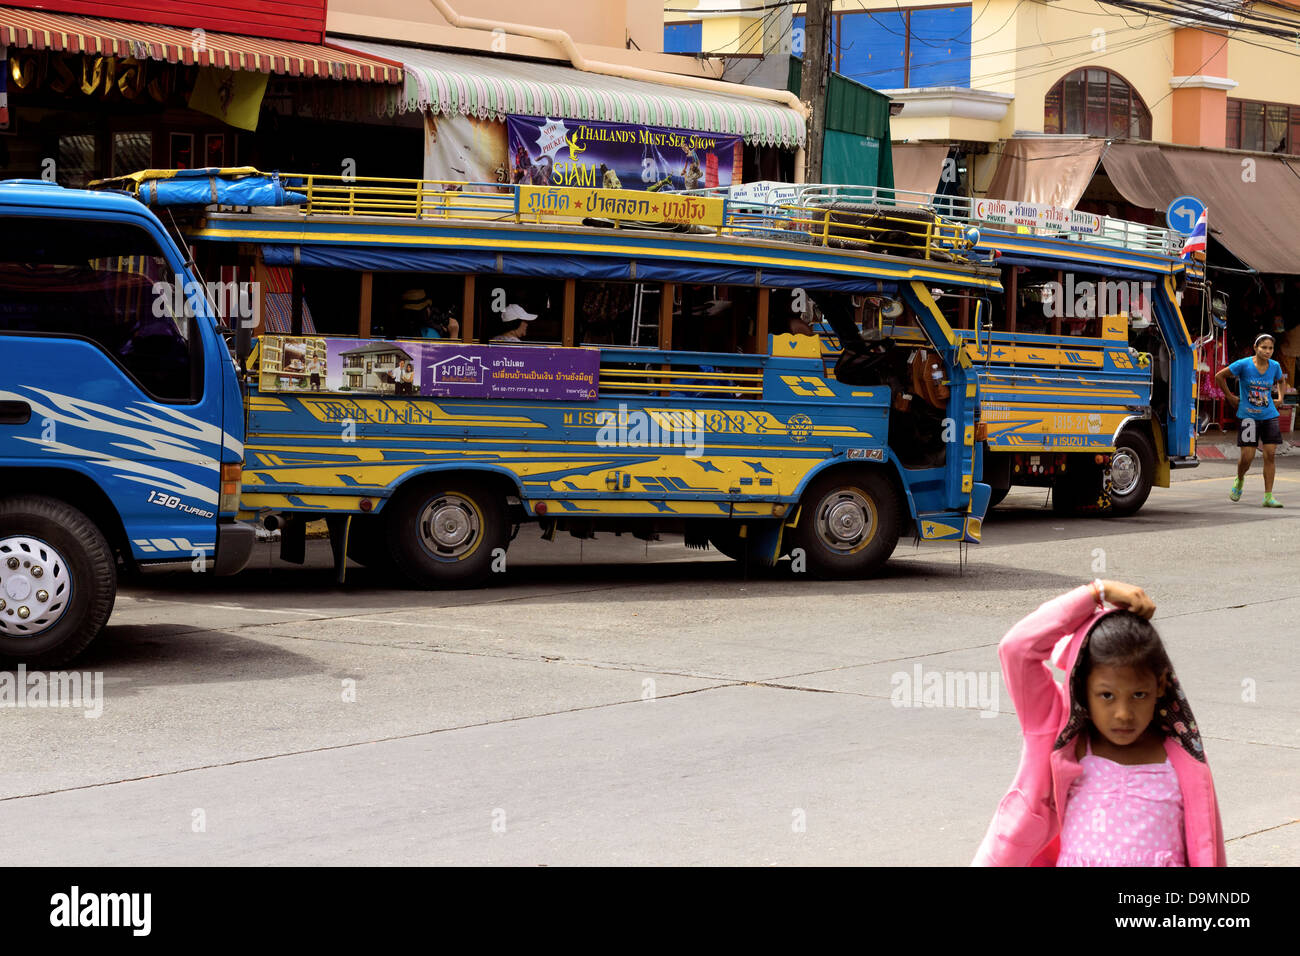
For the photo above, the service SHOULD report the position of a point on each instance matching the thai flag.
(1196, 241)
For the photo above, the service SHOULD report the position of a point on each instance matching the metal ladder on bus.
(639, 322)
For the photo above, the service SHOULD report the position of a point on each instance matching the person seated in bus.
(515, 321)
(796, 325)
(420, 317)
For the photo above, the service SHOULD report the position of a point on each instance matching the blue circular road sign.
(1183, 213)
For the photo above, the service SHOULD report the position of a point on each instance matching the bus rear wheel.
(58, 581)
(849, 523)
(447, 532)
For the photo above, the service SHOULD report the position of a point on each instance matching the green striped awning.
(494, 88)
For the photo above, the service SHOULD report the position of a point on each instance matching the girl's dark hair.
(1121, 639)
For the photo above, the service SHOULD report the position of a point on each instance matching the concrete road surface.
(614, 702)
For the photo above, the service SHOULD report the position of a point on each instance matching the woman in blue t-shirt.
(1258, 380)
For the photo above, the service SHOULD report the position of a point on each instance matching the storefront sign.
(622, 205)
(567, 152)
(1035, 215)
(73, 74)
(439, 369)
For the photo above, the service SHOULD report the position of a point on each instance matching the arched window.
(1096, 102)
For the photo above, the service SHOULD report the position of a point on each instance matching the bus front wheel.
(1132, 471)
(448, 532)
(849, 524)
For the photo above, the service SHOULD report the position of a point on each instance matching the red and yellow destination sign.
(621, 205)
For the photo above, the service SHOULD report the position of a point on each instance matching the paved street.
(619, 703)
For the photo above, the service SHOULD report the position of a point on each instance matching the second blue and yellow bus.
(1085, 357)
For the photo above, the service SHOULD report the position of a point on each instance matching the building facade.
(979, 74)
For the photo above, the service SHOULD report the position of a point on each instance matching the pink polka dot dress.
(1119, 815)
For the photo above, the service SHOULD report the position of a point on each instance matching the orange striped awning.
(38, 30)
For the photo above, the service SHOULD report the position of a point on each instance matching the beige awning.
(917, 166)
(1252, 200)
(1054, 172)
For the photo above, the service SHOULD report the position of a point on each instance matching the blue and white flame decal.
(145, 429)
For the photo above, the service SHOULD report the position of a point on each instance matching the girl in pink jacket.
(1113, 771)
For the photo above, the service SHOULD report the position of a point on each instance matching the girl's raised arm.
(1025, 650)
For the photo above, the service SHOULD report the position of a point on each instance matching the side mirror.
(243, 344)
(1219, 305)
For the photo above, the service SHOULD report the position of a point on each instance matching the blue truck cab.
(121, 421)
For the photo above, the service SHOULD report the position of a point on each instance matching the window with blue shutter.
(893, 49)
(869, 47)
(940, 47)
(684, 37)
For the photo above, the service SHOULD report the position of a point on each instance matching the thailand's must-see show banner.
(566, 152)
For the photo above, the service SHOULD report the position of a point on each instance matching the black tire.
(997, 497)
(368, 543)
(726, 539)
(1129, 488)
(1081, 491)
(849, 522)
(458, 553)
(74, 560)
(1066, 496)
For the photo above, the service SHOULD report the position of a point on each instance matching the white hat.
(516, 313)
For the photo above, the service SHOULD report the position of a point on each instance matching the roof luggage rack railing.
(887, 228)
(1109, 231)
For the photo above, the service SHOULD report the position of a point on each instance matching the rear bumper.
(235, 542)
(1191, 461)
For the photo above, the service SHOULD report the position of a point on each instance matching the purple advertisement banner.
(535, 372)
(445, 369)
(568, 152)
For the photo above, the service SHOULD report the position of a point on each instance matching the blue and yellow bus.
(1084, 359)
(439, 364)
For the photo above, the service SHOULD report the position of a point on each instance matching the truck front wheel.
(849, 524)
(58, 581)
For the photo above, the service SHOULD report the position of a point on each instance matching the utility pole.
(815, 78)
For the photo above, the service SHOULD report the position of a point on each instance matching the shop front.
(86, 98)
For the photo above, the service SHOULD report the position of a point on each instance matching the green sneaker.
(1235, 493)
(1271, 502)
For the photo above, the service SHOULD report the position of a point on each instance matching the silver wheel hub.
(1125, 471)
(35, 586)
(449, 526)
(844, 520)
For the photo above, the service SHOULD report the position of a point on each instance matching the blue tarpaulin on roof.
(201, 187)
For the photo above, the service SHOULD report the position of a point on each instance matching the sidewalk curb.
(1214, 450)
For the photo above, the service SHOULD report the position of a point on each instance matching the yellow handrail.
(878, 229)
